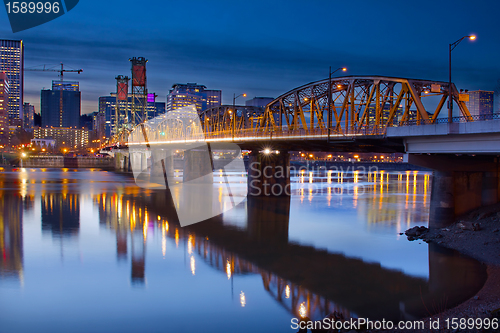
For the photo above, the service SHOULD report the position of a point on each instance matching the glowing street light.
(329, 120)
(234, 108)
(450, 93)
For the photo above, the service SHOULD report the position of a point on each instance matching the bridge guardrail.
(460, 119)
(296, 133)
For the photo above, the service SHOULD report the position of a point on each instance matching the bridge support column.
(122, 161)
(162, 164)
(442, 207)
(197, 165)
(460, 184)
(268, 174)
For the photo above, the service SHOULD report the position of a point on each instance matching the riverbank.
(476, 235)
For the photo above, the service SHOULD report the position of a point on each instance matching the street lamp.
(450, 100)
(234, 108)
(329, 121)
(23, 155)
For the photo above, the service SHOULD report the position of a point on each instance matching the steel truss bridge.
(345, 106)
(348, 107)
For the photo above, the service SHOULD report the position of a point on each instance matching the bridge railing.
(289, 133)
(461, 119)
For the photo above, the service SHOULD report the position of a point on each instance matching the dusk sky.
(262, 48)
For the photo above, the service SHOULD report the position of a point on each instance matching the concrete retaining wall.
(67, 162)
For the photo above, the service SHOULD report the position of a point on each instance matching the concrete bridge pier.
(460, 184)
(269, 174)
(198, 165)
(162, 166)
(122, 161)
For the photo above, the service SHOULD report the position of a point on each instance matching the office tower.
(71, 105)
(107, 111)
(480, 102)
(29, 117)
(71, 138)
(259, 101)
(12, 63)
(191, 93)
(4, 109)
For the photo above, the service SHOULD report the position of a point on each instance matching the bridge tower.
(139, 90)
(121, 107)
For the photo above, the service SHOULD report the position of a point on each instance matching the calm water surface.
(88, 251)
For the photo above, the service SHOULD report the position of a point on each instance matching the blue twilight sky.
(263, 48)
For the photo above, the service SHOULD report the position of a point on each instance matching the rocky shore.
(477, 235)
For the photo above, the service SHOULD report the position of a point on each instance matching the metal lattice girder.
(139, 90)
(222, 119)
(356, 102)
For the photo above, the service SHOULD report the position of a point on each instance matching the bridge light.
(426, 91)
(339, 86)
(267, 151)
(306, 99)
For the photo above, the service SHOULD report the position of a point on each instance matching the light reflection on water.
(87, 251)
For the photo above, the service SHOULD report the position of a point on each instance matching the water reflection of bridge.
(296, 276)
(116, 210)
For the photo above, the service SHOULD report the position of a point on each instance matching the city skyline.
(262, 49)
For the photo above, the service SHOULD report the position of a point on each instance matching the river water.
(89, 251)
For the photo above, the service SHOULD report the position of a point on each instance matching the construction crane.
(61, 74)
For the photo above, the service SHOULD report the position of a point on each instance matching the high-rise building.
(107, 109)
(259, 101)
(480, 102)
(66, 85)
(71, 105)
(71, 138)
(29, 117)
(191, 93)
(4, 109)
(12, 63)
(384, 115)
